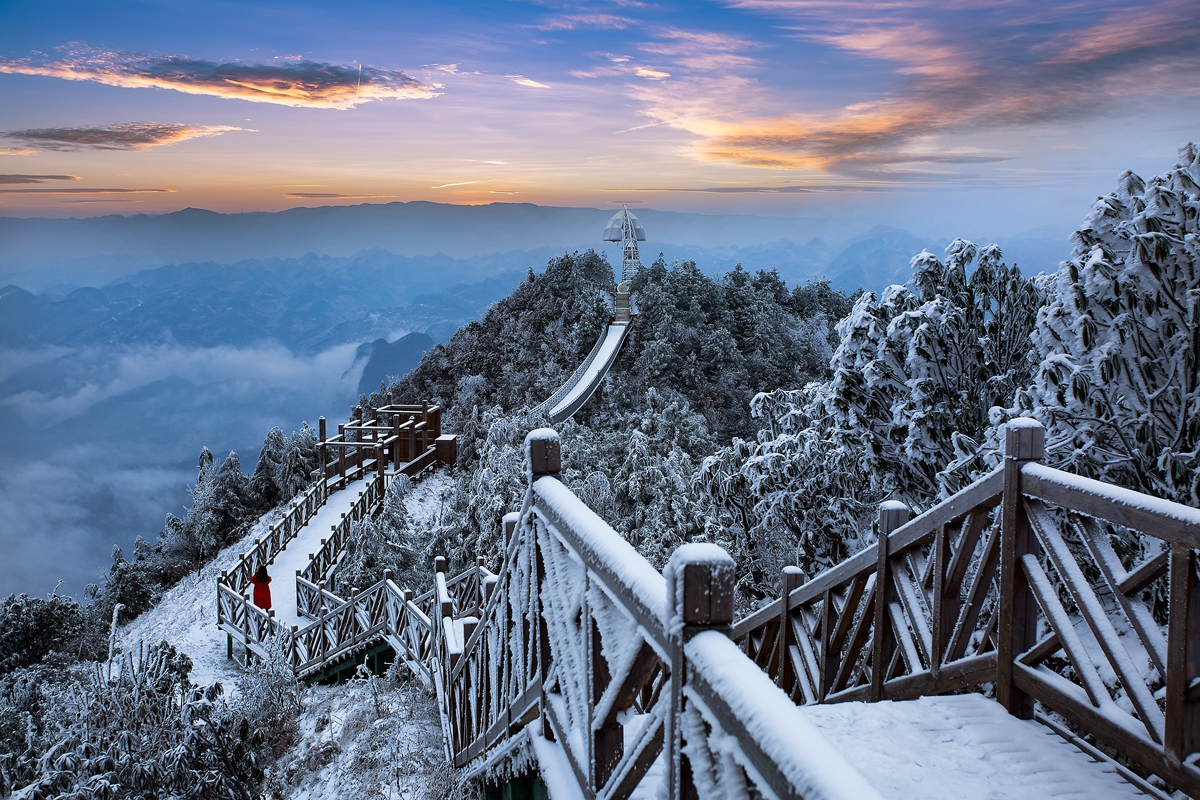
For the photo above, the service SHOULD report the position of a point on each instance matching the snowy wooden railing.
(579, 641)
(408, 437)
(312, 579)
(1013, 580)
(302, 508)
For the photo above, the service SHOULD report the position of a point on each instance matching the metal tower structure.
(625, 228)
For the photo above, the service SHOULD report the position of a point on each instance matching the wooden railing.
(312, 579)
(403, 436)
(297, 514)
(1014, 580)
(580, 641)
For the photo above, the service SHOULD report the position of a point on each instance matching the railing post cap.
(1024, 439)
(700, 585)
(388, 574)
(793, 578)
(439, 564)
(543, 453)
(892, 514)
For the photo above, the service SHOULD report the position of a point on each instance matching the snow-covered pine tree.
(1117, 385)
(380, 543)
(270, 464)
(914, 378)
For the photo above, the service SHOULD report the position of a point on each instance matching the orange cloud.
(306, 84)
(960, 67)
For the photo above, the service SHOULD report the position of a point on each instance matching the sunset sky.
(926, 114)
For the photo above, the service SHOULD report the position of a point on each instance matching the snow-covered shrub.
(137, 728)
(269, 699)
(914, 377)
(380, 543)
(32, 628)
(1118, 385)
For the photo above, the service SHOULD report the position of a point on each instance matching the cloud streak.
(523, 81)
(303, 84)
(125, 136)
(86, 191)
(334, 196)
(955, 69)
(18, 179)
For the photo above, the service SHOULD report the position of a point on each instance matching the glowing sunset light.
(1008, 115)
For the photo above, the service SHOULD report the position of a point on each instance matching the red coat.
(262, 592)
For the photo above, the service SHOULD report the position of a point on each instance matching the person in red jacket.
(262, 589)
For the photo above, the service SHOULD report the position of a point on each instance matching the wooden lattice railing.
(1015, 582)
(299, 511)
(580, 641)
(407, 437)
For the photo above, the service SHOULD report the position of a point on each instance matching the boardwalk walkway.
(577, 658)
(299, 551)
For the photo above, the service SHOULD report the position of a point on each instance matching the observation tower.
(625, 228)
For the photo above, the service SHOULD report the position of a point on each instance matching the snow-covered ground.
(961, 746)
(365, 739)
(187, 616)
(369, 738)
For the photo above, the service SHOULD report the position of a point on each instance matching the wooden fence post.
(322, 451)
(793, 578)
(543, 457)
(700, 598)
(892, 514)
(1024, 440)
(1182, 728)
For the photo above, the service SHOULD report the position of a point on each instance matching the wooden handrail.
(945, 626)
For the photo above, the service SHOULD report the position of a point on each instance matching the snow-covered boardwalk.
(298, 552)
(583, 383)
(577, 656)
(947, 748)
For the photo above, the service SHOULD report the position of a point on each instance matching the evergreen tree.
(914, 379)
(1117, 384)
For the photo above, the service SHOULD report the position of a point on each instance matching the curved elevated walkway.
(586, 379)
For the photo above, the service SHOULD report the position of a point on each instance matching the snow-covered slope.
(365, 739)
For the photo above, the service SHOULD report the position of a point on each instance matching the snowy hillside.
(372, 735)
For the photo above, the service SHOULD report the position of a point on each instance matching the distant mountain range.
(314, 302)
(60, 254)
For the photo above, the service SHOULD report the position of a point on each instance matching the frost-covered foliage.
(715, 343)
(525, 346)
(719, 342)
(135, 727)
(914, 377)
(633, 467)
(1117, 384)
(380, 543)
(285, 465)
(32, 628)
(375, 737)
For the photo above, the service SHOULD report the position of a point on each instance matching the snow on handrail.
(772, 732)
(1160, 518)
(624, 569)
